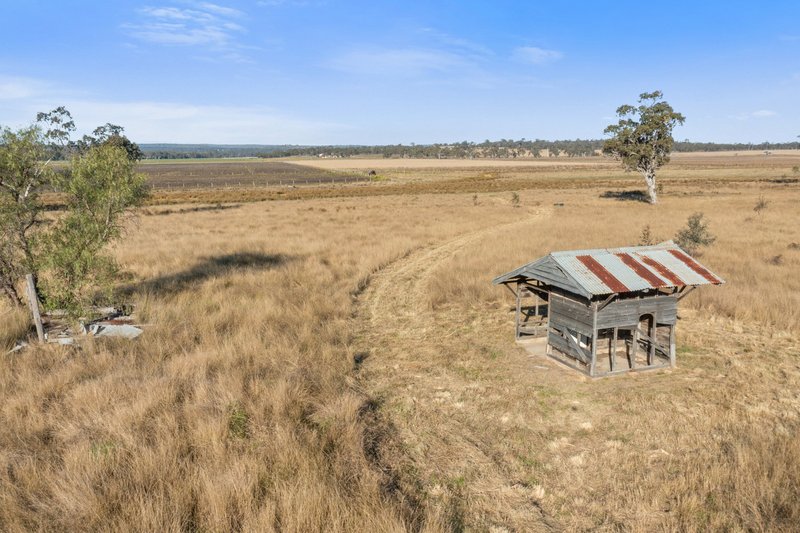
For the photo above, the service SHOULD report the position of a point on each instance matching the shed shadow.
(208, 268)
(627, 196)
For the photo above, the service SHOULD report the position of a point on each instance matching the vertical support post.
(594, 341)
(672, 346)
(517, 312)
(634, 346)
(33, 302)
(651, 356)
(612, 362)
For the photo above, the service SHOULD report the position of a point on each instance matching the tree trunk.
(11, 293)
(650, 179)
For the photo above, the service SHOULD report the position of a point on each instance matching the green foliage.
(238, 422)
(65, 252)
(642, 138)
(514, 199)
(695, 235)
(22, 175)
(111, 135)
(101, 186)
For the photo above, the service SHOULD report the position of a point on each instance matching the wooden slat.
(567, 344)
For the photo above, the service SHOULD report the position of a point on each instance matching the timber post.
(593, 363)
(672, 346)
(517, 312)
(33, 303)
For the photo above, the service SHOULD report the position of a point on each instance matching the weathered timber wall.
(627, 312)
(571, 314)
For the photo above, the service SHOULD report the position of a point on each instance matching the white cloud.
(536, 56)
(407, 62)
(186, 123)
(203, 24)
(761, 113)
(18, 88)
(453, 42)
(291, 3)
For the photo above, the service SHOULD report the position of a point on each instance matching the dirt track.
(403, 340)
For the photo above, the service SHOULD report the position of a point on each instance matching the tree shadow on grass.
(627, 196)
(208, 268)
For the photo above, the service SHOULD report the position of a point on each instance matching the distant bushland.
(501, 149)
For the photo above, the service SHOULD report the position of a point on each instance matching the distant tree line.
(501, 149)
(200, 151)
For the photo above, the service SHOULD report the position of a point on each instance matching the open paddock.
(339, 360)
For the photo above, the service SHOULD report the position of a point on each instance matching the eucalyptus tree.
(642, 138)
(67, 252)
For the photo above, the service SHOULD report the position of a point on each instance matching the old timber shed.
(590, 303)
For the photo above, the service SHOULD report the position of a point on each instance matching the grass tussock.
(15, 326)
(261, 398)
(236, 409)
(752, 483)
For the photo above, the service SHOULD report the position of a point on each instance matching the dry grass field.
(337, 360)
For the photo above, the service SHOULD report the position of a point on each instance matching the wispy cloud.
(147, 121)
(761, 113)
(290, 3)
(18, 88)
(536, 56)
(455, 43)
(202, 24)
(403, 62)
(162, 121)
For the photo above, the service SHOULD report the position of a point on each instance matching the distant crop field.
(240, 173)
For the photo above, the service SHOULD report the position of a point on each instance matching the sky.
(381, 72)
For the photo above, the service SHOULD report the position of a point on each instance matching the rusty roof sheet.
(617, 270)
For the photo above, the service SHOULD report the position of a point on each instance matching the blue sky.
(375, 72)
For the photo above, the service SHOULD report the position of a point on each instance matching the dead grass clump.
(16, 325)
(752, 484)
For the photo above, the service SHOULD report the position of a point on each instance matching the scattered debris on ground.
(109, 322)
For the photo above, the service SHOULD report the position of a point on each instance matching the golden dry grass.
(343, 364)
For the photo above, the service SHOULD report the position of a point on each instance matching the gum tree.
(67, 252)
(642, 138)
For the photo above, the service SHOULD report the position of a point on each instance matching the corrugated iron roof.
(616, 270)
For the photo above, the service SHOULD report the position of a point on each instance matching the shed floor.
(534, 345)
(537, 347)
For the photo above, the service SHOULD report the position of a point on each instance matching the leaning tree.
(66, 252)
(642, 139)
